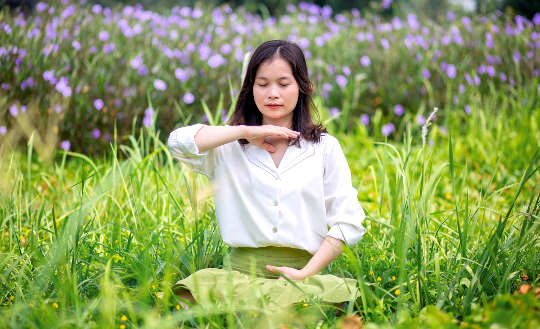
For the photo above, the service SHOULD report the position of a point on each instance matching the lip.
(273, 105)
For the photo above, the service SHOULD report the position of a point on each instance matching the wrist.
(243, 132)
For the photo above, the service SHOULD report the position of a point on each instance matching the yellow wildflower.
(123, 318)
(379, 278)
(178, 307)
(397, 292)
(305, 305)
(370, 272)
(11, 298)
(55, 305)
(122, 326)
(393, 278)
(182, 240)
(371, 258)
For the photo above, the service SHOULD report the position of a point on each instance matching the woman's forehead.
(275, 67)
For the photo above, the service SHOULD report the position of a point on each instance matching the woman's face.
(275, 91)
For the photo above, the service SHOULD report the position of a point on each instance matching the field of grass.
(452, 204)
(452, 224)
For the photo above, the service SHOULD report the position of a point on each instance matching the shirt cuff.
(347, 233)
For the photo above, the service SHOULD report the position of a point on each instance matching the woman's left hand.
(289, 272)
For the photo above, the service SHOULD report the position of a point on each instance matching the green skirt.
(247, 281)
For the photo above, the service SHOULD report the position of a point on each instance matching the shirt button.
(276, 203)
(274, 229)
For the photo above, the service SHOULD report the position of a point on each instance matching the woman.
(279, 182)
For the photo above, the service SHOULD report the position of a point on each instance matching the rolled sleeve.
(182, 145)
(343, 211)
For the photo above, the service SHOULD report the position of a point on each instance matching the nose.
(273, 92)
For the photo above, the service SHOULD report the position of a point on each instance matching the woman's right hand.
(256, 135)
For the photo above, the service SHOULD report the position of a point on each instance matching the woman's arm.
(327, 252)
(209, 137)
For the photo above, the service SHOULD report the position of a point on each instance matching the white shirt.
(259, 205)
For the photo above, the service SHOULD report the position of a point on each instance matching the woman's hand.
(289, 272)
(256, 135)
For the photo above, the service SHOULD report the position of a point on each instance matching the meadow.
(97, 220)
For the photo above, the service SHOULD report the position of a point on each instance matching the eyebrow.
(265, 78)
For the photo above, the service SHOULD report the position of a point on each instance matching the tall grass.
(89, 243)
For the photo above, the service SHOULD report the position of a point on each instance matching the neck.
(284, 122)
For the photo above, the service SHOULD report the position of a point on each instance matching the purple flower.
(96, 133)
(181, 74)
(398, 109)
(386, 4)
(189, 98)
(136, 62)
(426, 74)
(27, 83)
(3, 130)
(196, 13)
(5, 86)
(341, 80)
(365, 61)
(226, 49)
(13, 110)
(420, 119)
(65, 145)
(160, 84)
(536, 19)
(148, 117)
(387, 129)
(7, 29)
(516, 56)
(334, 112)
(143, 70)
(450, 15)
(461, 88)
(502, 76)
(467, 109)
(104, 36)
(41, 6)
(451, 71)
(98, 104)
(76, 45)
(216, 61)
(385, 44)
(108, 48)
(346, 70)
(58, 108)
(96, 9)
(365, 119)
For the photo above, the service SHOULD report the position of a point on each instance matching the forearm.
(327, 252)
(210, 137)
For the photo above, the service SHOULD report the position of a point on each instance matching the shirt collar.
(293, 155)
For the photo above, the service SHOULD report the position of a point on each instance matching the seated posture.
(283, 194)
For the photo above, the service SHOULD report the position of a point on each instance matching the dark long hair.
(246, 112)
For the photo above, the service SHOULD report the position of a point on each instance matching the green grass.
(452, 225)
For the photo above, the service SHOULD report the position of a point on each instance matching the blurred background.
(84, 73)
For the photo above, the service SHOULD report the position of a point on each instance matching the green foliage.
(452, 229)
